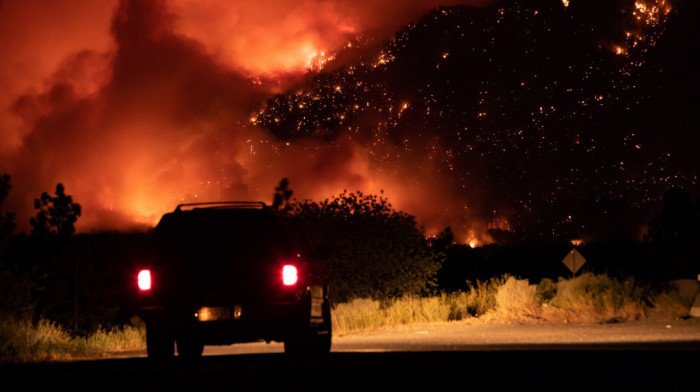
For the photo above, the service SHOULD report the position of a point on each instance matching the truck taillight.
(144, 280)
(289, 275)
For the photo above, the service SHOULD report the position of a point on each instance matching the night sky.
(543, 119)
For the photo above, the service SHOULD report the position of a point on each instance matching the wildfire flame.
(651, 12)
(648, 14)
(472, 239)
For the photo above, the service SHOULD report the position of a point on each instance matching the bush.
(378, 252)
(586, 298)
(457, 304)
(517, 299)
(590, 297)
(546, 290)
(670, 304)
(481, 297)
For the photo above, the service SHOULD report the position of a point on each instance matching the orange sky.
(139, 105)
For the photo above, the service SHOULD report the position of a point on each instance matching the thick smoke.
(137, 106)
(267, 37)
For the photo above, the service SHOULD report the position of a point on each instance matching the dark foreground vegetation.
(84, 284)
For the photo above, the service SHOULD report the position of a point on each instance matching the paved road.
(676, 335)
(626, 356)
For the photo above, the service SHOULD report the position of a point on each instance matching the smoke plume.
(136, 106)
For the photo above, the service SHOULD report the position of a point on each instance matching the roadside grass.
(590, 298)
(362, 314)
(25, 341)
(506, 299)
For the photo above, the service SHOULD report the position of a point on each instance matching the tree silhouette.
(7, 219)
(378, 252)
(282, 197)
(442, 240)
(56, 216)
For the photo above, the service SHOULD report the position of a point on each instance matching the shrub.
(670, 304)
(590, 297)
(546, 290)
(457, 304)
(481, 297)
(516, 299)
(378, 252)
(586, 298)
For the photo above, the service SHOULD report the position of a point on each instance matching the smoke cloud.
(266, 37)
(136, 106)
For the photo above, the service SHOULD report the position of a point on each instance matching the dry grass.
(364, 314)
(24, 341)
(671, 305)
(592, 297)
(586, 298)
(517, 300)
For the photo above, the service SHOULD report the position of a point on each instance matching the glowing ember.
(651, 11)
(383, 59)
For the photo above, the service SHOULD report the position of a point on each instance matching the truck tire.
(189, 347)
(160, 344)
(309, 339)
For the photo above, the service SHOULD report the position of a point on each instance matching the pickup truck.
(224, 273)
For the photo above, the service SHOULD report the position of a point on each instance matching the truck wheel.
(189, 347)
(311, 339)
(159, 344)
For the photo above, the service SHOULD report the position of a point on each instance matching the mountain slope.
(548, 119)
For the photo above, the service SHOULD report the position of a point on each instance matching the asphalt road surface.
(624, 356)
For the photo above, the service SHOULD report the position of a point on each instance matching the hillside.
(550, 121)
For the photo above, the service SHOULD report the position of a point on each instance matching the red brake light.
(289, 275)
(144, 280)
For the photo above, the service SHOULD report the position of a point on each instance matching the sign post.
(573, 261)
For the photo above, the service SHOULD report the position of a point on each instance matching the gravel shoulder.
(466, 336)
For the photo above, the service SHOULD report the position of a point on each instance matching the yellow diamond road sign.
(574, 260)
